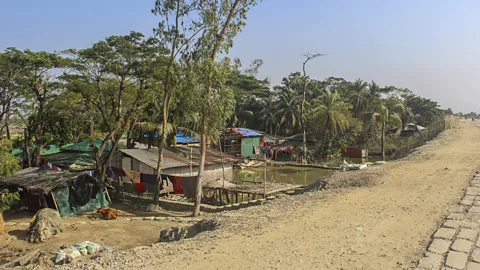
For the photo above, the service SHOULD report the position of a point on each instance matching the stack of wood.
(35, 257)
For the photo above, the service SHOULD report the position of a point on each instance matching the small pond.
(291, 174)
(285, 174)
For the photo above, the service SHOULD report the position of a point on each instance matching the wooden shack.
(69, 193)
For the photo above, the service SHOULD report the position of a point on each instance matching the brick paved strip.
(431, 261)
(468, 234)
(473, 266)
(462, 245)
(439, 246)
(445, 233)
(476, 255)
(453, 224)
(457, 260)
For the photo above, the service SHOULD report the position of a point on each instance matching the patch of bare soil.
(124, 233)
(386, 223)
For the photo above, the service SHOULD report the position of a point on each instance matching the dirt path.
(384, 227)
(387, 226)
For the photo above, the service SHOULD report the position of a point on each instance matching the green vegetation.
(181, 79)
(9, 164)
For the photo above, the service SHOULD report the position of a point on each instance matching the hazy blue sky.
(429, 46)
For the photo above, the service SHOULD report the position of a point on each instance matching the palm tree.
(332, 112)
(288, 108)
(374, 91)
(387, 112)
(358, 96)
(268, 114)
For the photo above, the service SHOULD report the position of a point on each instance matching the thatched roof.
(40, 183)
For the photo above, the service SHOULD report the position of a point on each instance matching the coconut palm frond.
(395, 120)
(188, 132)
(399, 107)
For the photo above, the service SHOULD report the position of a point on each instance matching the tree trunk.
(201, 168)
(100, 167)
(39, 122)
(304, 127)
(161, 147)
(304, 161)
(99, 170)
(38, 146)
(209, 83)
(2, 225)
(115, 141)
(91, 127)
(130, 140)
(166, 102)
(324, 136)
(383, 140)
(25, 147)
(7, 121)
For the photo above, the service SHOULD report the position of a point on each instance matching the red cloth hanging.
(262, 141)
(177, 184)
(140, 187)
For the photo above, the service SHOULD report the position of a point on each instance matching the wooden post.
(191, 160)
(223, 166)
(265, 176)
(108, 196)
(54, 202)
(236, 197)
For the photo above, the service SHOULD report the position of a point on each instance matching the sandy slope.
(383, 227)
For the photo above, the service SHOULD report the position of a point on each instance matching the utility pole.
(303, 120)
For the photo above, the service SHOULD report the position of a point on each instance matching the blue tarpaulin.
(248, 133)
(182, 138)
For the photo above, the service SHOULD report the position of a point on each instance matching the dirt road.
(385, 226)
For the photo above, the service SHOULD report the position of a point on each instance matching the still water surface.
(285, 174)
(291, 174)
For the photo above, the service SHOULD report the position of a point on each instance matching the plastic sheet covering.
(82, 190)
(62, 198)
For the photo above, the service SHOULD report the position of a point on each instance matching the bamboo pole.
(108, 196)
(265, 176)
(191, 160)
(54, 201)
(223, 166)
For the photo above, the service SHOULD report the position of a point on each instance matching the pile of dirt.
(179, 232)
(46, 223)
(348, 179)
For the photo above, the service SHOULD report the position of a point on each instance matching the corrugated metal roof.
(177, 157)
(150, 158)
(85, 146)
(248, 132)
